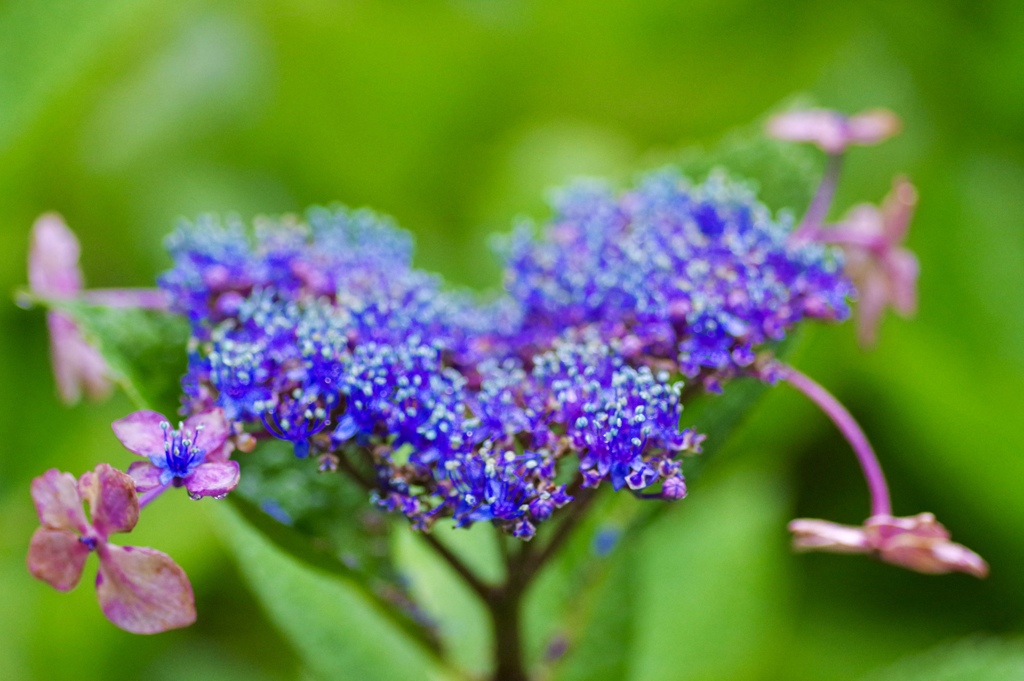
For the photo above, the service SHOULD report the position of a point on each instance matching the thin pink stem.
(814, 218)
(147, 298)
(151, 495)
(880, 504)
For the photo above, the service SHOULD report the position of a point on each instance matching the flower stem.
(880, 504)
(146, 298)
(816, 213)
(152, 494)
(505, 609)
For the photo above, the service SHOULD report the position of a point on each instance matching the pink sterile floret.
(140, 590)
(917, 542)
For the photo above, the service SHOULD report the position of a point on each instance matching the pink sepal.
(56, 557)
(140, 432)
(53, 258)
(917, 543)
(143, 591)
(213, 479)
(77, 366)
(822, 535)
(211, 430)
(832, 131)
(872, 127)
(884, 272)
(57, 501)
(921, 543)
(53, 272)
(145, 475)
(113, 503)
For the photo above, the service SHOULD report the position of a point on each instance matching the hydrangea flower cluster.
(699, 276)
(429, 389)
(443, 405)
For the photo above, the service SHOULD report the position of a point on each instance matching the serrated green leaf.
(336, 630)
(327, 508)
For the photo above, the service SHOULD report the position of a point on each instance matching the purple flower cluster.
(325, 336)
(699, 275)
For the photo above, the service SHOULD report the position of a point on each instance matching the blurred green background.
(457, 115)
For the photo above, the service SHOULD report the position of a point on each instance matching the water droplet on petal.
(194, 497)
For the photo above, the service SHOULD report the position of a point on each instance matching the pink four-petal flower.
(140, 590)
(195, 455)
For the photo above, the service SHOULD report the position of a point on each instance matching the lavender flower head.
(325, 336)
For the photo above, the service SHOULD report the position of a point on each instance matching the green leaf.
(710, 580)
(603, 621)
(973, 659)
(327, 521)
(337, 631)
(784, 175)
(461, 617)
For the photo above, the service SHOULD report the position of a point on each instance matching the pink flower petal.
(932, 556)
(902, 270)
(819, 126)
(917, 543)
(140, 432)
(862, 226)
(57, 557)
(821, 535)
(53, 258)
(113, 502)
(832, 131)
(898, 208)
(77, 366)
(143, 591)
(872, 297)
(883, 271)
(145, 475)
(921, 543)
(57, 501)
(213, 431)
(872, 127)
(213, 479)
